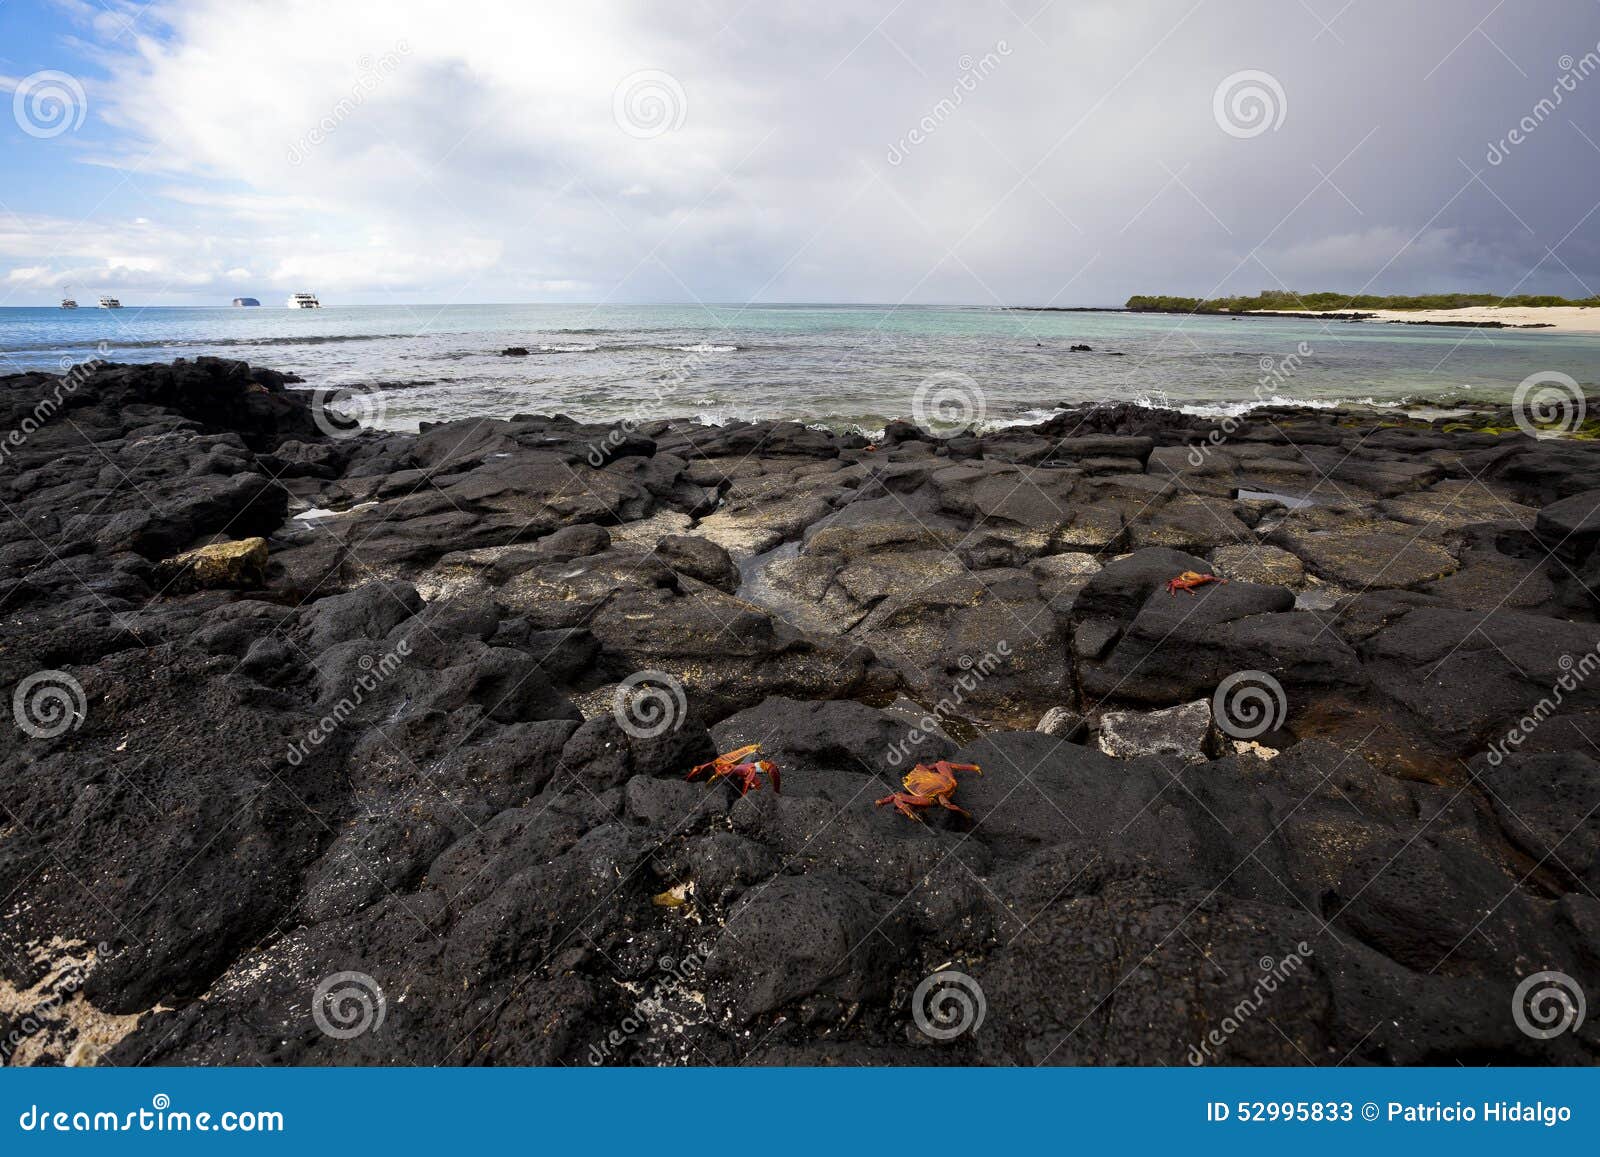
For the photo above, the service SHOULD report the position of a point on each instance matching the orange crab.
(929, 784)
(737, 764)
(1190, 579)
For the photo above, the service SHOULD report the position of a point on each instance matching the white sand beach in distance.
(1562, 318)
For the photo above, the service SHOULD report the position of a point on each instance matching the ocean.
(840, 365)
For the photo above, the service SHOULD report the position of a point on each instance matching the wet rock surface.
(408, 787)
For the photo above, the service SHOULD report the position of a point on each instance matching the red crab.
(1190, 579)
(926, 785)
(736, 764)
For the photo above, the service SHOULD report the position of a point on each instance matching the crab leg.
(903, 806)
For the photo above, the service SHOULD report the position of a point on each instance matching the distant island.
(1471, 310)
(1288, 300)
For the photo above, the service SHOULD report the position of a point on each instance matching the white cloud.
(470, 151)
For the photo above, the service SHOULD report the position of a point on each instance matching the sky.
(992, 152)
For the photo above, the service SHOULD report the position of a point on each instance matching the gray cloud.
(989, 152)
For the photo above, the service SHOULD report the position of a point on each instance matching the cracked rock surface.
(412, 789)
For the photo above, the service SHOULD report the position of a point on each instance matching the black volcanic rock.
(440, 754)
(1571, 527)
(699, 558)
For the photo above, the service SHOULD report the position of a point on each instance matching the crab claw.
(748, 775)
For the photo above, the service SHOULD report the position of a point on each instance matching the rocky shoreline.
(342, 747)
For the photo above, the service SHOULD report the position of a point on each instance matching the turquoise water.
(837, 364)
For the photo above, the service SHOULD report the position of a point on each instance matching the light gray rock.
(1182, 731)
(1259, 564)
(1061, 722)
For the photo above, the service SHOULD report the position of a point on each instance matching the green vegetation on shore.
(1288, 299)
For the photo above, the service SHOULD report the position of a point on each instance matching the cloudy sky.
(978, 151)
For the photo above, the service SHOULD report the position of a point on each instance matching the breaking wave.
(1235, 409)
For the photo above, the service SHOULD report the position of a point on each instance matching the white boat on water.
(303, 301)
(66, 298)
(108, 303)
